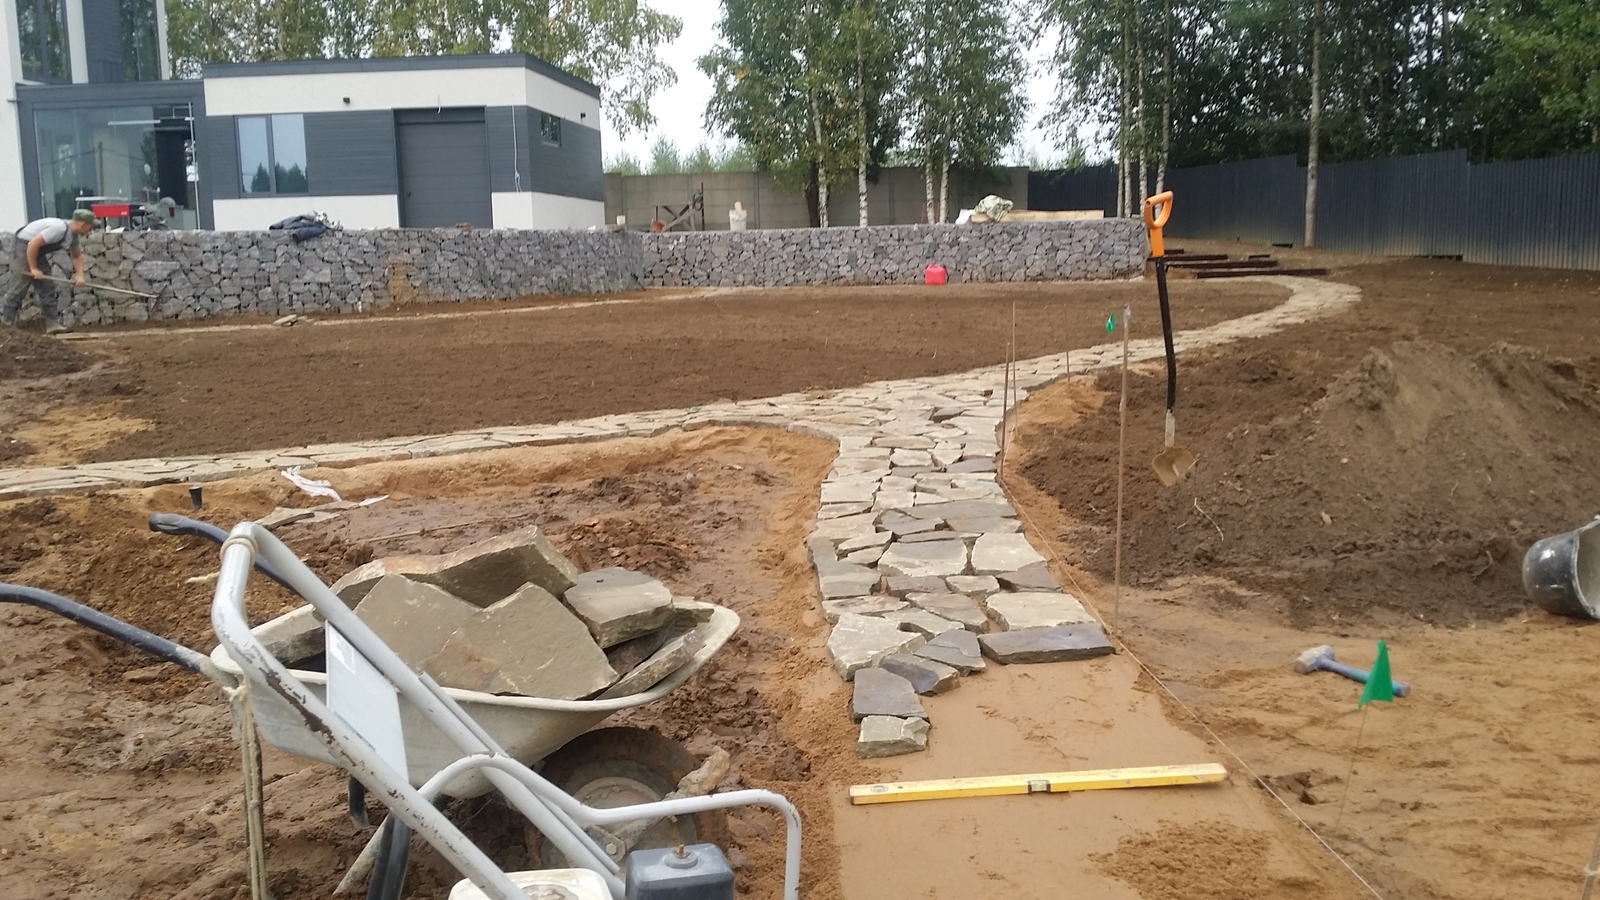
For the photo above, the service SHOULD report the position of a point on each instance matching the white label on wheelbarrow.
(360, 695)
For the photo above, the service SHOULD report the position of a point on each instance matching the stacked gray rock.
(896, 254)
(201, 274)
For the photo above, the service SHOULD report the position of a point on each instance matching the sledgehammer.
(1321, 658)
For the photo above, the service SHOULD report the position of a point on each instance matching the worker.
(30, 261)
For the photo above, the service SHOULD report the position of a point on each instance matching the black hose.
(174, 524)
(106, 625)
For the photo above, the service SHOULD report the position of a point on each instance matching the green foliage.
(624, 163)
(965, 84)
(664, 158)
(613, 43)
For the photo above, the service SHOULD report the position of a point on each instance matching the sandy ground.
(120, 780)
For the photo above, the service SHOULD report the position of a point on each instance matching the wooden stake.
(1122, 465)
(1044, 783)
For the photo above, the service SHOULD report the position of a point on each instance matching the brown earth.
(1391, 462)
(216, 390)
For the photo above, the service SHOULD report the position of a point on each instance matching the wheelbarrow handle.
(110, 626)
(174, 524)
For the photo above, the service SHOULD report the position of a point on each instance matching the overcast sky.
(680, 111)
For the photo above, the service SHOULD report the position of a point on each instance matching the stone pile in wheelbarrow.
(512, 615)
(925, 574)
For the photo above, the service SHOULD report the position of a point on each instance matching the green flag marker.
(1111, 323)
(1380, 684)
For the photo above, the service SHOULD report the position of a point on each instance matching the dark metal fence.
(1537, 212)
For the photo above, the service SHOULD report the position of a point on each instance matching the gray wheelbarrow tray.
(529, 728)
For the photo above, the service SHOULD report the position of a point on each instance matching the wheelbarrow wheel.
(614, 767)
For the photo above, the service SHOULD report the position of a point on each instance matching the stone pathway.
(915, 541)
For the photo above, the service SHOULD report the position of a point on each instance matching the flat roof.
(400, 64)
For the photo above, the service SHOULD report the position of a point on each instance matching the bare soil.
(218, 390)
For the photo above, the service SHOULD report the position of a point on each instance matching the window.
(42, 35)
(141, 51)
(116, 154)
(272, 155)
(550, 128)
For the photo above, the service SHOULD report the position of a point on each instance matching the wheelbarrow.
(433, 741)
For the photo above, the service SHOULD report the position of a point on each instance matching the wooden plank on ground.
(1047, 782)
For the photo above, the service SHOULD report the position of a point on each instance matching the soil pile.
(1412, 486)
(24, 354)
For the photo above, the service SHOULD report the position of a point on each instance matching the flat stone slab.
(848, 492)
(1042, 645)
(965, 509)
(872, 605)
(957, 608)
(905, 526)
(901, 585)
(1030, 578)
(911, 458)
(883, 736)
(840, 580)
(867, 557)
(973, 584)
(996, 553)
(879, 692)
(1037, 609)
(904, 442)
(926, 675)
(527, 644)
(481, 574)
(971, 465)
(860, 641)
(619, 604)
(921, 622)
(959, 650)
(938, 558)
(672, 656)
(413, 618)
(875, 539)
(926, 536)
(986, 525)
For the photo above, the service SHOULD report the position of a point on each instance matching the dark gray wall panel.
(510, 159)
(351, 153)
(219, 157)
(573, 169)
(102, 38)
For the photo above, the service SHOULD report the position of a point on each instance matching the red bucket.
(934, 274)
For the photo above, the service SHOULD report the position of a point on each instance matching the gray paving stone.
(957, 608)
(673, 655)
(870, 605)
(926, 675)
(960, 509)
(901, 585)
(860, 641)
(845, 580)
(1030, 578)
(839, 510)
(1037, 610)
(883, 736)
(845, 526)
(927, 536)
(527, 644)
(931, 558)
(906, 525)
(848, 492)
(866, 557)
(945, 455)
(946, 413)
(619, 604)
(821, 551)
(989, 525)
(973, 584)
(917, 458)
(413, 618)
(996, 553)
(1040, 645)
(922, 622)
(481, 574)
(879, 692)
(904, 442)
(875, 539)
(980, 464)
(959, 650)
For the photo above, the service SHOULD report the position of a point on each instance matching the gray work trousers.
(18, 279)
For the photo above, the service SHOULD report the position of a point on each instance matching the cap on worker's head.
(84, 215)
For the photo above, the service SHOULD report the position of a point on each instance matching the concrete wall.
(896, 198)
(1033, 251)
(198, 274)
(13, 197)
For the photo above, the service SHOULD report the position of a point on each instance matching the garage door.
(444, 168)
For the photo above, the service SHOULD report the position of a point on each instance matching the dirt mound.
(1412, 486)
(24, 354)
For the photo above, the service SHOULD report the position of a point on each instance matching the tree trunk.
(944, 189)
(927, 174)
(1142, 117)
(1314, 148)
(822, 166)
(1166, 99)
(861, 129)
